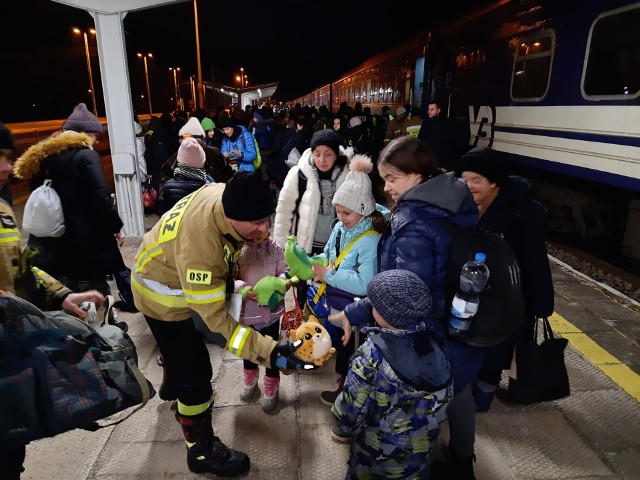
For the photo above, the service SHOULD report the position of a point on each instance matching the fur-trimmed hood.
(28, 164)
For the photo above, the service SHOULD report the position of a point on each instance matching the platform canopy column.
(108, 17)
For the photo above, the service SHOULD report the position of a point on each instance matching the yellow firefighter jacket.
(15, 272)
(186, 262)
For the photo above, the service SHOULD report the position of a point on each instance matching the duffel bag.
(58, 373)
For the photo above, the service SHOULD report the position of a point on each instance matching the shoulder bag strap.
(323, 284)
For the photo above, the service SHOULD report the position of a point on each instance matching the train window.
(612, 64)
(532, 66)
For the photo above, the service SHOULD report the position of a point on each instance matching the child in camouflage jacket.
(398, 385)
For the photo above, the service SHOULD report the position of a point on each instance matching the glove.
(283, 357)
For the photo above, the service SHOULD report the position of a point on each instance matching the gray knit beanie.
(356, 192)
(401, 298)
(82, 120)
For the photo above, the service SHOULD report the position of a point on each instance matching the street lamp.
(146, 77)
(86, 51)
(175, 85)
(241, 77)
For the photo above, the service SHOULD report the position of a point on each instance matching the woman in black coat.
(507, 206)
(88, 250)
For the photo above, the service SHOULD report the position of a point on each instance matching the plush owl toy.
(298, 261)
(311, 342)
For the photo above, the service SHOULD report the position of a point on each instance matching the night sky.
(301, 43)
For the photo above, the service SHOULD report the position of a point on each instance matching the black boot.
(461, 468)
(454, 468)
(205, 452)
(166, 392)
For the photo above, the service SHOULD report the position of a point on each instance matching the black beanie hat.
(6, 139)
(247, 198)
(226, 123)
(327, 137)
(484, 161)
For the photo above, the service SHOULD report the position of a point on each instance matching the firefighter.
(182, 278)
(19, 278)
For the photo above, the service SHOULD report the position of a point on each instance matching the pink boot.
(270, 398)
(250, 384)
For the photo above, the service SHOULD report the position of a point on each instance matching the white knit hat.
(356, 192)
(191, 153)
(192, 128)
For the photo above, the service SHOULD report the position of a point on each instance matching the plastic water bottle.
(473, 279)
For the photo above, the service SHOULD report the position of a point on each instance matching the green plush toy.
(299, 262)
(270, 290)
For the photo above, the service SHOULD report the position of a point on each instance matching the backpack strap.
(302, 187)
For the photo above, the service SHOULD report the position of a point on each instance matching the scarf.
(190, 172)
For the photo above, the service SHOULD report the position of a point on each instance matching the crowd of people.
(236, 185)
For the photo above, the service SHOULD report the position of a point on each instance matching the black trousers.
(498, 358)
(273, 331)
(186, 359)
(11, 460)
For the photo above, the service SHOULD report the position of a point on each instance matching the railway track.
(614, 277)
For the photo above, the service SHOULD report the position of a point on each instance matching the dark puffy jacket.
(523, 222)
(175, 189)
(88, 250)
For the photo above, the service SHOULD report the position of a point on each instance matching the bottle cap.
(480, 257)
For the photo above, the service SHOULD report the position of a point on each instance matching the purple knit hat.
(82, 120)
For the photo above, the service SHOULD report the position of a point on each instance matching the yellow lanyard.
(323, 284)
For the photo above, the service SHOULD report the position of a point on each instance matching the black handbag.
(541, 374)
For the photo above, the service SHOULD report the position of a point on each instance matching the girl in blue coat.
(238, 146)
(354, 243)
(418, 239)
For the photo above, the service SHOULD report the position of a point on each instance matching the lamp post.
(175, 85)
(146, 77)
(86, 52)
(200, 84)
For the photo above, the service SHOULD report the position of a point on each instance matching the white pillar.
(117, 98)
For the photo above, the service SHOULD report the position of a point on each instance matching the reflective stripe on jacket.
(184, 264)
(13, 264)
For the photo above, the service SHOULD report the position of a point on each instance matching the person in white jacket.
(308, 212)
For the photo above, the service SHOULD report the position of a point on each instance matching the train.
(552, 86)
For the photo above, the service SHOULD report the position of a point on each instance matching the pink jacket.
(254, 263)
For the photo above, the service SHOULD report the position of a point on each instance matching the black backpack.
(501, 307)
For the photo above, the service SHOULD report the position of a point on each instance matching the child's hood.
(419, 358)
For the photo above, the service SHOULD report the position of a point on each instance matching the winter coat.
(302, 221)
(419, 240)
(393, 401)
(358, 138)
(175, 189)
(284, 141)
(17, 276)
(242, 140)
(255, 262)
(264, 130)
(359, 265)
(523, 222)
(180, 273)
(88, 250)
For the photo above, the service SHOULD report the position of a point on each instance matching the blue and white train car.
(554, 86)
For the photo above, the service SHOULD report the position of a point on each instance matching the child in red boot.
(259, 258)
